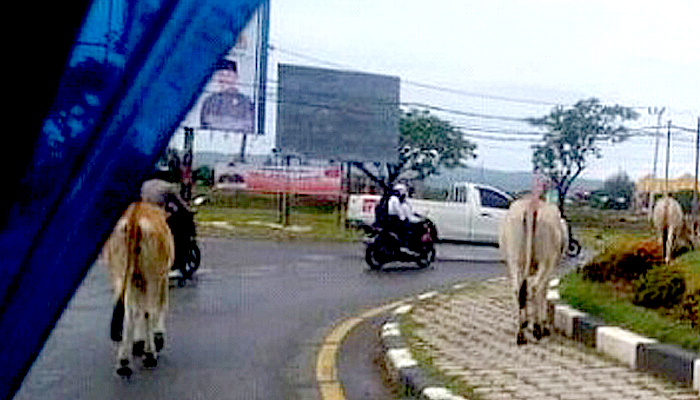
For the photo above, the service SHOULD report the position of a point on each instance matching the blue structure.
(133, 70)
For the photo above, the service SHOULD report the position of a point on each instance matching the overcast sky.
(535, 53)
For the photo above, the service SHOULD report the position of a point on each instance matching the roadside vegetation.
(258, 216)
(626, 282)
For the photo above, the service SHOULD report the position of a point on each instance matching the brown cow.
(674, 230)
(532, 239)
(140, 253)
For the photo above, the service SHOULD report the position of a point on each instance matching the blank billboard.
(340, 115)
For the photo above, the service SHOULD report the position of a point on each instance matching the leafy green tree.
(573, 136)
(426, 143)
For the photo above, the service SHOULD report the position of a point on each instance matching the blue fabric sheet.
(136, 68)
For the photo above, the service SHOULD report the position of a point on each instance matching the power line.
(424, 85)
(499, 139)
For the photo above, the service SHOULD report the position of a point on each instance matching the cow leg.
(163, 304)
(522, 312)
(670, 243)
(541, 327)
(539, 295)
(125, 346)
(150, 360)
(665, 239)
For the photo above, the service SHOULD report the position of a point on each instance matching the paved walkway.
(471, 334)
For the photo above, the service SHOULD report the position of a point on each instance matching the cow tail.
(529, 228)
(133, 245)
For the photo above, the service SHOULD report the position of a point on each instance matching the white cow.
(533, 238)
(140, 253)
(669, 222)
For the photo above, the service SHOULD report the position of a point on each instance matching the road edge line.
(329, 386)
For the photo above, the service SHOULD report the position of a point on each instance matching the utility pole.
(243, 143)
(695, 192)
(668, 154)
(658, 113)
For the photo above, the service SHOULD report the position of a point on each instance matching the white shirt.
(402, 210)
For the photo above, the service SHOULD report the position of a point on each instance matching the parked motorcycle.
(574, 247)
(384, 246)
(187, 253)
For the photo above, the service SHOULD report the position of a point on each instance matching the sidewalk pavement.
(470, 334)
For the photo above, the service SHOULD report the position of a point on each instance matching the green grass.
(597, 229)
(603, 301)
(305, 223)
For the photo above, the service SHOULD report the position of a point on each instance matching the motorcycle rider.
(401, 217)
(167, 195)
(163, 193)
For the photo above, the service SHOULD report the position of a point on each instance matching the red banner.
(299, 180)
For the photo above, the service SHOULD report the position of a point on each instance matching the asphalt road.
(248, 328)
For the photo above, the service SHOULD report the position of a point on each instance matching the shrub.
(626, 261)
(661, 286)
(690, 308)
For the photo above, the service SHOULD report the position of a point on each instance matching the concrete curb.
(404, 370)
(635, 351)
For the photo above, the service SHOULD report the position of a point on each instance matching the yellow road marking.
(326, 363)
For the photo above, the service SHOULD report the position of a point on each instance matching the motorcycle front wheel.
(371, 258)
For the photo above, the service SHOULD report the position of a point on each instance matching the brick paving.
(471, 334)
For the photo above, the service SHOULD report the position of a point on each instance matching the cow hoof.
(521, 339)
(159, 341)
(537, 332)
(124, 369)
(150, 361)
(545, 332)
(138, 348)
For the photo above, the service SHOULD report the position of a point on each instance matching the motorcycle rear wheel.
(371, 258)
(426, 258)
(574, 248)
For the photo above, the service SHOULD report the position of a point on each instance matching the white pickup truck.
(472, 212)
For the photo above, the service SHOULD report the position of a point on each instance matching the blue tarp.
(135, 69)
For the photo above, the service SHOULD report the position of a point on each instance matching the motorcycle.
(384, 246)
(187, 253)
(573, 249)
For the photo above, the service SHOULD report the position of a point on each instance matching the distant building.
(648, 185)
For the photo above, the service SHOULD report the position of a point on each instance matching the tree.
(574, 135)
(426, 143)
(619, 185)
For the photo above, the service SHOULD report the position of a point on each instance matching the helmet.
(401, 189)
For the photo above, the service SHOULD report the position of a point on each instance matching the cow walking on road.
(140, 253)
(532, 239)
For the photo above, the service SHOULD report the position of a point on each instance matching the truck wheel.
(371, 258)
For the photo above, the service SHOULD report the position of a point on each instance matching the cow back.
(142, 243)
